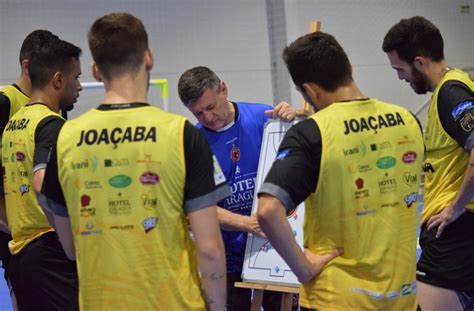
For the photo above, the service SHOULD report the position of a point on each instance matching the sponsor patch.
(149, 224)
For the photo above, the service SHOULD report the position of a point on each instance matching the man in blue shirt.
(234, 131)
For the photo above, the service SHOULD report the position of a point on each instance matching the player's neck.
(24, 84)
(346, 93)
(436, 72)
(127, 89)
(44, 97)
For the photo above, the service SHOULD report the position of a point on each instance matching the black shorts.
(448, 262)
(5, 252)
(43, 278)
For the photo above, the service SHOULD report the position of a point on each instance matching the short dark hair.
(51, 56)
(412, 37)
(118, 42)
(33, 42)
(317, 57)
(195, 81)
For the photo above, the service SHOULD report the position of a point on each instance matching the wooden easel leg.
(257, 300)
(286, 301)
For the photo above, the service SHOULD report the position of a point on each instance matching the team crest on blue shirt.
(235, 154)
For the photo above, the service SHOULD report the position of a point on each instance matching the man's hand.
(282, 111)
(253, 227)
(318, 262)
(447, 216)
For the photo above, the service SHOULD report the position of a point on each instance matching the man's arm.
(457, 207)
(211, 256)
(234, 222)
(272, 217)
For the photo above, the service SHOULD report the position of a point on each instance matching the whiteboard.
(262, 264)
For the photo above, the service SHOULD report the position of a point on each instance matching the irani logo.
(235, 154)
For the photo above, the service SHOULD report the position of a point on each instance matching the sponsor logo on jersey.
(121, 227)
(235, 154)
(372, 123)
(149, 223)
(409, 157)
(428, 168)
(148, 160)
(16, 125)
(386, 162)
(20, 156)
(89, 229)
(390, 204)
(149, 178)
(116, 162)
(120, 181)
(91, 164)
(387, 184)
(360, 192)
(355, 168)
(410, 178)
(119, 205)
(148, 201)
(22, 173)
(117, 136)
(380, 146)
(411, 198)
(405, 140)
(86, 211)
(24, 189)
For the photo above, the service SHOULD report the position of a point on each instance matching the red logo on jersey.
(20, 156)
(359, 183)
(235, 154)
(85, 200)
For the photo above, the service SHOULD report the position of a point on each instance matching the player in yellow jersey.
(127, 179)
(445, 273)
(359, 183)
(42, 276)
(12, 98)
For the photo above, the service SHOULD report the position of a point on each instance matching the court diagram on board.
(262, 263)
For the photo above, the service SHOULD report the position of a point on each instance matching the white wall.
(230, 36)
(360, 26)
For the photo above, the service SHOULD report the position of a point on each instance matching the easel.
(258, 288)
(287, 291)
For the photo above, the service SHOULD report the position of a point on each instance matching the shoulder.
(254, 107)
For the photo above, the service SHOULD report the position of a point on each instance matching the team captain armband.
(463, 114)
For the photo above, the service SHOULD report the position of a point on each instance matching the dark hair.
(33, 42)
(118, 42)
(317, 57)
(194, 82)
(412, 37)
(51, 56)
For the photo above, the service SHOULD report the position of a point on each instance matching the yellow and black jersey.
(12, 99)
(446, 157)
(27, 139)
(128, 175)
(358, 166)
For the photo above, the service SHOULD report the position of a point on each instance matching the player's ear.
(148, 59)
(95, 72)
